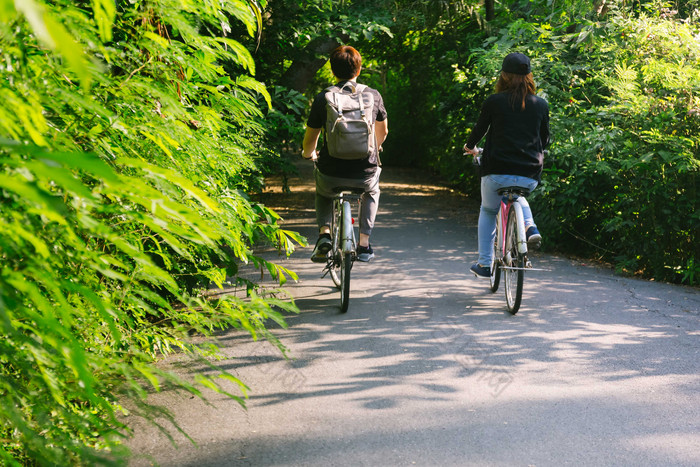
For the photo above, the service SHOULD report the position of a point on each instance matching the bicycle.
(343, 252)
(510, 245)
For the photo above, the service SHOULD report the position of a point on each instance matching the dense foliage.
(126, 151)
(624, 183)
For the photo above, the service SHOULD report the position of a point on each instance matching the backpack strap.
(359, 89)
(354, 87)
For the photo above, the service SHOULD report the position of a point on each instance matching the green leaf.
(86, 162)
(163, 42)
(105, 12)
(148, 374)
(55, 36)
(250, 83)
(27, 190)
(7, 10)
(176, 178)
(242, 54)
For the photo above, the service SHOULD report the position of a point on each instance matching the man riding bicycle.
(332, 172)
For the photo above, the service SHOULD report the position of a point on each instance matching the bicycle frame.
(506, 206)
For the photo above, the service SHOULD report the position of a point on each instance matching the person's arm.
(381, 129)
(310, 142)
(480, 129)
(544, 131)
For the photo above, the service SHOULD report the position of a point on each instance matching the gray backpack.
(349, 124)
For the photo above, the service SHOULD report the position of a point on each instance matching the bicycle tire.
(336, 251)
(513, 278)
(344, 268)
(345, 257)
(495, 277)
(334, 269)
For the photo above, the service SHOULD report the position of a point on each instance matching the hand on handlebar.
(475, 153)
(313, 157)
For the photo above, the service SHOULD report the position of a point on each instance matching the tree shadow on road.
(422, 329)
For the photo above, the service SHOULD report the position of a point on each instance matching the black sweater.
(515, 138)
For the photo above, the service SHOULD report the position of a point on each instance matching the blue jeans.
(490, 202)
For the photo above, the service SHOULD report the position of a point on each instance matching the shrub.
(125, 157)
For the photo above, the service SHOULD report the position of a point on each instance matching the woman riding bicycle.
(515, 122)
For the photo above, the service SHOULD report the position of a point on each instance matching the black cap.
(516, 63)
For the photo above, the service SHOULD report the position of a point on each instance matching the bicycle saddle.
(517, 190)
(352, 189)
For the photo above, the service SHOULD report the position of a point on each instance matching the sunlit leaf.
(105, 13)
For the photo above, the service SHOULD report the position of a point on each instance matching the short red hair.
(346, 62)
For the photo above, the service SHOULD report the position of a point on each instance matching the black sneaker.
(323, 246)
(481, 271)
(365, 253)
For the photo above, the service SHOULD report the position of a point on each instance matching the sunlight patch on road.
(669, 444)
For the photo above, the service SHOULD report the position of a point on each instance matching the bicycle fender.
(347, 236)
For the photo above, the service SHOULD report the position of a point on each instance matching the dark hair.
(345, 62)
(519, 87)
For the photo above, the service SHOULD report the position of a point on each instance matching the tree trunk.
(302, 70)
(490, 9)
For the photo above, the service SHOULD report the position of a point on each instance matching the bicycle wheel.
(346, 257)
(344, 268)
(495, 277)
(513, 278)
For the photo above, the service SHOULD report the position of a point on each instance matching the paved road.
(427, 368)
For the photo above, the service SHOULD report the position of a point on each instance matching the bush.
(623, 185)
(125, 157)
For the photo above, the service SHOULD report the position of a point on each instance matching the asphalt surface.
(427, 368)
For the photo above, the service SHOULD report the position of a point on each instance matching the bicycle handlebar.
(476, 158)
(314, 158)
